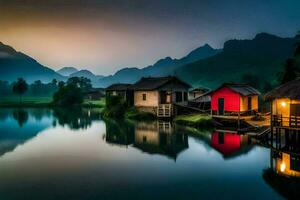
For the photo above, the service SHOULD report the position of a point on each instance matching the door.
(249, 103)
(221, 106)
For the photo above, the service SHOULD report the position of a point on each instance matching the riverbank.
(44, 102)
(195, 120)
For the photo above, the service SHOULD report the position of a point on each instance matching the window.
(185, 96)
(144, 97)
(178, 96)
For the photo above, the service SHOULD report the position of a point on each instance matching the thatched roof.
(153, 83)
(289, 90)
(118, 87)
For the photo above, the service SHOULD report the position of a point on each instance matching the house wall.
(231, 99)
(281, 107)
(176, 87)
(152, 99)
(195, 94)
(244, 103)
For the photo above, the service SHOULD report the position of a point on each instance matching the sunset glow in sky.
(106, 35)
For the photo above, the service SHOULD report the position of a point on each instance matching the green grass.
(94, 103)
(27, 101)
(196, 120)
(30, 101)
(138, 115)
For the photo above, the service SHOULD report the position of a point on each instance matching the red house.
(232, 98)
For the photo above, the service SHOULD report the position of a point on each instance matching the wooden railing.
(164, 110)
(292, 121)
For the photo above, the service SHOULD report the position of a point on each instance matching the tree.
(20, 87)
(36, 87)
(290, 71)
(21, 116)
(68, 95)
(54, 82)
(61, 84)
(292, 67)
(81, 82)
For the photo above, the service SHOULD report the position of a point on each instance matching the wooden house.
(234, 99)
(123, 90)
(202, 102)
(158, 95)
(197, 92)
(285, 109)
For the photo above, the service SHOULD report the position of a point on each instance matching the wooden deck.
(164, 111)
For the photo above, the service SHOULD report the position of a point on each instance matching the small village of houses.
(169, 96)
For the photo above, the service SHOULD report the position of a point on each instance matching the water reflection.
(76, 118)
(79, 156)
(230, 144)
(21, 116)
(159, 138)
(119, 133)
(283, 173)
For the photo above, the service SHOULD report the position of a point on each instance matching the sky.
(107, 35)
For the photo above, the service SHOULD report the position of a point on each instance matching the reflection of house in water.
(119, 133)
(230, 144)
(284, 163)
(284, 172)
(159, 138)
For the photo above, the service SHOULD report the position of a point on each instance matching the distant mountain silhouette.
(87, 74)
(15, 64)
(162, 67)
(262, 57)
(67, 71)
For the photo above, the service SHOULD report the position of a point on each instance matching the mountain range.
(163, 67)
(15, 64)
(260, 58)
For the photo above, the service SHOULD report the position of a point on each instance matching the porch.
(292, 122)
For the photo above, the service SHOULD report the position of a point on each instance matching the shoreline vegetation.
(195, 120)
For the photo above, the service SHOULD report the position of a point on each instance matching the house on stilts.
(234, 99)
(160, 95)
(285, 107)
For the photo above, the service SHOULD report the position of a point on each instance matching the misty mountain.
(15, 64)
(87, 74)
(67, 71)
(261, 58)
(162, 67)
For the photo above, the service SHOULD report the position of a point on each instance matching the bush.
(115, 107)
(68, 95)
(135, 114)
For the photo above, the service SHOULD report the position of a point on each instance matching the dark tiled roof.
(119, 87)
(289, 90)
(152, 83)
(243, 89)
(200, 89)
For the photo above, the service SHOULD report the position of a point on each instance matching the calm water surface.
(73, 154)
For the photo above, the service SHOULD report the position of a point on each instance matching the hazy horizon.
(105, 36)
